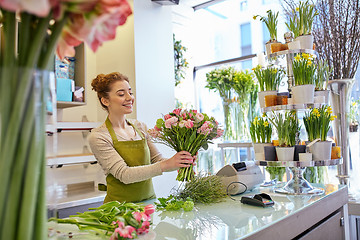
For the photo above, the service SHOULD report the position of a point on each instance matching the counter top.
(289, 217)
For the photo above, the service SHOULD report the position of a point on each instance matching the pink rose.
(219, 132)
(194, 111)
(167, 116)
(144, 228)
(156, 128)
(154, 133)
(182, 123)
(206, 128)
(177, 111)
(171, 122)
(137, 216)
(149, 209)
(189, 124)
(199, 117)
(123, 231)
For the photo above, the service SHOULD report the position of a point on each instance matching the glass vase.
(22, 153)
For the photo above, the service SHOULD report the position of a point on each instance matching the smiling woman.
(122, 146)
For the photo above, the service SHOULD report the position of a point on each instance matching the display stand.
(298, 185)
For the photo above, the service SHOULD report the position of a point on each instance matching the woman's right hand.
(180, 159)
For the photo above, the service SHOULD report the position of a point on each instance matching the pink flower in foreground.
(177, 111)
(171, 122)
(137, 216)
(154, 133)
(167, 116)
(123, 231)
(189, 124)
(149, 209)
(144, 228)
(40, 8)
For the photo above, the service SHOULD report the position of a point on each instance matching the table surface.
(225, 220)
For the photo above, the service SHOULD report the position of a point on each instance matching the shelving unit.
(79, 75)
(71, 159)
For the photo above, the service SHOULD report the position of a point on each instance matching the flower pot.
(353, 127)
(259, 147)
(324, 93)
(276, 47)
(285, 153)
(270, 153)
(268, 49)
(294, 45)
(305, 157)
(270, 100)
(306, 41)
(299, 149)
(321, 150)
(303, 94)
(261, 96)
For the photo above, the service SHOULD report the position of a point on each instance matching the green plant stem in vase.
(276, 173)
(287, 126)
(304, 69)
(268, 78)
(322, 75)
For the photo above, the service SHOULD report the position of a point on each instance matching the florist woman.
(122, 146)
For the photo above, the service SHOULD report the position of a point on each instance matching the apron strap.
(137, 130)
(111, 130)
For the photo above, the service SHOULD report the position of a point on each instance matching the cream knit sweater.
(102, 146)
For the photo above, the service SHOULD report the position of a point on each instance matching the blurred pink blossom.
(199, 117)
(219, 132)
(40, 8)
(149, 209)
(154, 133)
(167, 116)
(123, 231)
(206, 128)
(182, 123)
(144, 228)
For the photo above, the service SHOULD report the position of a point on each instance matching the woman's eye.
(121, 95)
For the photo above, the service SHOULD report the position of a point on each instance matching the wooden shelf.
(61, 104)
(71, 159)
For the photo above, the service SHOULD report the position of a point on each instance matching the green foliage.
(301, 20)
(354, 111)
(180, 63)
(204, 189)
(174, 203)
(268, 78)
(271, 22)
(287, 126)
(323, 72)
(304, 69)
(260, 130)
(243, 85)
(317, 122)
(276, 172)
(221, 80)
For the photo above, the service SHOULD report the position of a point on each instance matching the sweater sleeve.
(111, 162)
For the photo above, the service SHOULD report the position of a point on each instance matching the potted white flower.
(268, 79)
(317, 125)
(286, 125)
(304, 71)
(260, 132)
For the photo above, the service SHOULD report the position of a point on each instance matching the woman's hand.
(180, 159)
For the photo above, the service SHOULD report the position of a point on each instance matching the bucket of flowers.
(260, 131)
(186, 130)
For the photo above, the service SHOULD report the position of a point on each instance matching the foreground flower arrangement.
(186, 130)
(31, 32)
(120, 220)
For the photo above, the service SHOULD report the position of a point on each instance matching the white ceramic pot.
(303, 94)
(321, 150)
(306, 41)
(294, 45)
(305, 157)
(319, 99)
(324, 93)
(261, 97)
(268, 49)
(259, 147)
(260, 156)
(285, 153)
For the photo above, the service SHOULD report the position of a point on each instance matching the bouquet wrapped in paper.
(186, 130)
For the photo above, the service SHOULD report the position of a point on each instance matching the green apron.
(135, 153)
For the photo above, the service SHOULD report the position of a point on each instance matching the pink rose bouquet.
(186, 130)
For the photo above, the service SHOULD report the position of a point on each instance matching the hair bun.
(98, 84)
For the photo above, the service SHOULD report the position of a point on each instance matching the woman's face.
(120, 99)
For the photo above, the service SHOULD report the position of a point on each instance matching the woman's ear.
(105, 101)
